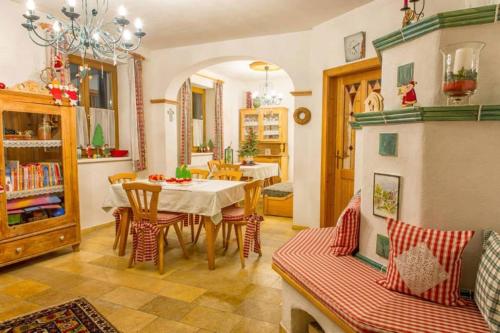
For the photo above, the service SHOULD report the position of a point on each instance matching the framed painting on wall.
(386, 195)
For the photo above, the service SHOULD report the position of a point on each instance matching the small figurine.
(89, 151)
(58, 63)
(56, 90)
(409, 94)
(72, 93)
(409, 17)
(106, 150)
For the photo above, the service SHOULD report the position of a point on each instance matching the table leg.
(124, 227)
(210, 234)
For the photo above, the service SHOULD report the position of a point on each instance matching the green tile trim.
(421, 114)
(370, 262)
(456, 18)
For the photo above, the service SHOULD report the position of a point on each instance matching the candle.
(463, 59)
(405, 3)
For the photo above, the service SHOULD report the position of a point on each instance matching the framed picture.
(355, 46)
(388, 144)
(386, 195)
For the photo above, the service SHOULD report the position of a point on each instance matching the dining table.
(260, 170)
(205, 198)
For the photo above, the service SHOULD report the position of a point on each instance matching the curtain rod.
(208, 77)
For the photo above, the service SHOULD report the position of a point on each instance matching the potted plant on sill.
(248, 149)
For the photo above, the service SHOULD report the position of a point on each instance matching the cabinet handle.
(19, 250)
(61, 238)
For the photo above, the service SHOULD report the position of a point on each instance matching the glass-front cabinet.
(39, 192)
(269, 123)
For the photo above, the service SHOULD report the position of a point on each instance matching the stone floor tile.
(129, 320)
(167, 326)
(167, 308)
(212, 320)
(24, 289)
(129, 297)
(262, 311)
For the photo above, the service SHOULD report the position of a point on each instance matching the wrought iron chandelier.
(86, 32)
(268, 96)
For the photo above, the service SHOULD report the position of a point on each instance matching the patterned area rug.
(77, 316)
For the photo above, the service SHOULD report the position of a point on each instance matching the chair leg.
(240, 241)
(181, 239)
(131, 259)
(236, 233)
(223, 234)
(161, 244)
(198, 233)
(192, 219)
(228, 236)
(165, 235)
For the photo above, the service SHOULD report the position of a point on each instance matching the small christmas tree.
(98, 138)
(249, 147)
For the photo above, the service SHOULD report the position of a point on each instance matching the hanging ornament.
(72, 93)
(56, 90)
(58, 63)
(84, 72)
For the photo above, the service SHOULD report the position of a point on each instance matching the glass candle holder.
(461, 68)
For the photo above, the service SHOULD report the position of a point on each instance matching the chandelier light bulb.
(56, 26)
(122, 11)
(71, 3)
(95, 36)
(30, 5)
(138, 24)
(127, 36)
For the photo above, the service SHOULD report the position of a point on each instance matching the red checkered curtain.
(140, 160)
(184, 121)
(219, 131)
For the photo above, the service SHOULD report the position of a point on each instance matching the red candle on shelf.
(405, 3)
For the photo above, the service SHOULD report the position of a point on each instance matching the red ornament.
(58, 63)
(72, 93)
(56, 90)
(2, 85)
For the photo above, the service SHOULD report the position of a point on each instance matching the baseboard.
(97, 227)
(299, 227)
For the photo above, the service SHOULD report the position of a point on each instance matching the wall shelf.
(32, 143)
(451, 19)
(35, 192)
(433, 113)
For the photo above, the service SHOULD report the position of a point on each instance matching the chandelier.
(88, 31)
(268, 96)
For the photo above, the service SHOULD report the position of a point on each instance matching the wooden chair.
(229, 167)
(236, 216)
(199, 173)
(120, 178)
(143, 199)
(214, 165)
(227, 175)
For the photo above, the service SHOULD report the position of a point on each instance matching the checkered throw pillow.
(425, 262)
(487, 295)
(346, 235)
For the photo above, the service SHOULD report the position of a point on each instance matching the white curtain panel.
(106, 118)
(82, 129)
(197, 132)
(134, 137)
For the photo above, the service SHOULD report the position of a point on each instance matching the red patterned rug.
(77, 316)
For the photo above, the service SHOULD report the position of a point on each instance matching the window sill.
(202, 154)
(104, 160)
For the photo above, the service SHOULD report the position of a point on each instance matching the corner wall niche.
(448, 156)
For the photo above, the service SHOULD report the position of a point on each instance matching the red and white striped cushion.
(233, 213)
(170, 218)
(425, 262)
(349, 288)
(346, 235)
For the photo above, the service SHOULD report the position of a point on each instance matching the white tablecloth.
(260, 170)
(202, 197)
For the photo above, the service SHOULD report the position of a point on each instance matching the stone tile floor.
(187, 298)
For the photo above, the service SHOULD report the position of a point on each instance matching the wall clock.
(354, 46)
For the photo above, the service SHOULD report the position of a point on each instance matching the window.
(98, 88)
(199, 129)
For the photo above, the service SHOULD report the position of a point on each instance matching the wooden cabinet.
(271, 126)
(39, 210)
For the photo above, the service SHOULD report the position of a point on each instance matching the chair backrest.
(143, 199)
(214, 165)
(274, 180)
(227, 175)
(199, 173)
(252, 195)
(229, 167)
(120, 178)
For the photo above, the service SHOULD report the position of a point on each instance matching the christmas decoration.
(2, 85)
(409, 94)
(72, 93)
(56, 90)
(58, 63)
(98, 139)
(248, 149)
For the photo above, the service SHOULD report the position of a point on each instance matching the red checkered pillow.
(346, 235)
(425, 262)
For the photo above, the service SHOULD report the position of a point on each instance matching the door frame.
(329, 133)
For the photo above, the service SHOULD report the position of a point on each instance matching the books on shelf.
(30, 176)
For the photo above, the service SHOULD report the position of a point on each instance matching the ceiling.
(171, 23)
(240, 70)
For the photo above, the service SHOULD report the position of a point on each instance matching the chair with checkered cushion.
(149, 226)
(118, 213)
(227, 175)
(236, 217)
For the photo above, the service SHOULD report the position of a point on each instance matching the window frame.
(203, 93)
(85, 92)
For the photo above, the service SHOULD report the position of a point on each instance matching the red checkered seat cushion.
(349, 288)
(170, 218)
(346, 235)
(233, 213)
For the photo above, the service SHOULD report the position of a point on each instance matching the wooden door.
(351, 94)
(345, 90)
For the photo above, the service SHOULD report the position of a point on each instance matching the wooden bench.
(342, 294)
(278, 200)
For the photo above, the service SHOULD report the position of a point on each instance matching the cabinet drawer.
(35, 245)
